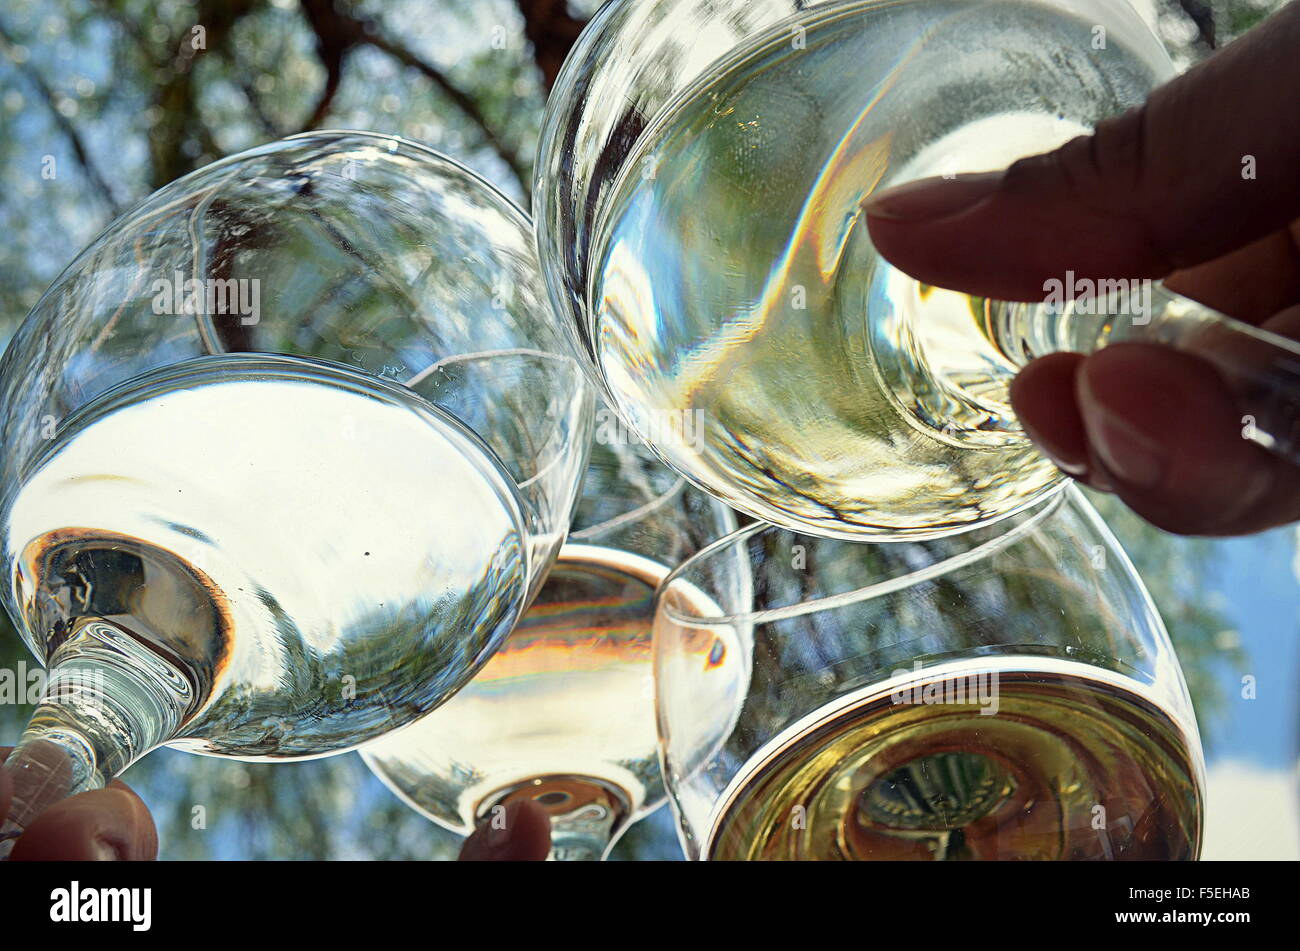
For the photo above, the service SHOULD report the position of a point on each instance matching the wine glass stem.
(108, 700)
(586, 815)
(1262, 369)
(582, 840)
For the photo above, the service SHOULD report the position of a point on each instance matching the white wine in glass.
(1006, 693)
(563, 714)
(1067, 751)
(709, 243)
(289, 447)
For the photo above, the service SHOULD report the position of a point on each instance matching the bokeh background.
(103, 101)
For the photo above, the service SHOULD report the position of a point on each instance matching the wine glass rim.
(570, 69)
(408, 143)
(510, 206)
(592, 533)
(1033, 518)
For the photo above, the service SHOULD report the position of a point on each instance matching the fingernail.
(1054, 453)
(1096, 477)
(929, 198)
(106, 851)
(1127, 453)
(1072, 469)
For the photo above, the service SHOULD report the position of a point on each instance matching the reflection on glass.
(288, 448)
(1008, 693)
(563, 714)
(701, 178)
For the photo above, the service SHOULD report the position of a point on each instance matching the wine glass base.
(586, 814)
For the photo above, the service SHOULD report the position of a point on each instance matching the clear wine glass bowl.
(1005, 693)
(700, 182)
(563, 714)
(288, 448)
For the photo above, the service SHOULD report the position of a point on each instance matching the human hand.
(1156, 193)
(109, 824)
(522, 834)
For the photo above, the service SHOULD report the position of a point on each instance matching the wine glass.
(1004, 693)
(288, 448)
(701, 175)
(563, 714)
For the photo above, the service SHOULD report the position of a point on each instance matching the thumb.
(524, 835)
(109, 823)
(1160, 188)
(1158, 428)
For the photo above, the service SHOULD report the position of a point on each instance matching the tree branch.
(65, 126)
(179, 120)
(1200, 13)
(338, 32)
(336, 35)
(459, 98)
(552, 31)
(255, 106)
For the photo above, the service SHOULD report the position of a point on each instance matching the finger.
(1252, 283)
(1042, 395)
(1164, 431)
(110, 824)
(1158, 189)
(522, 833)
